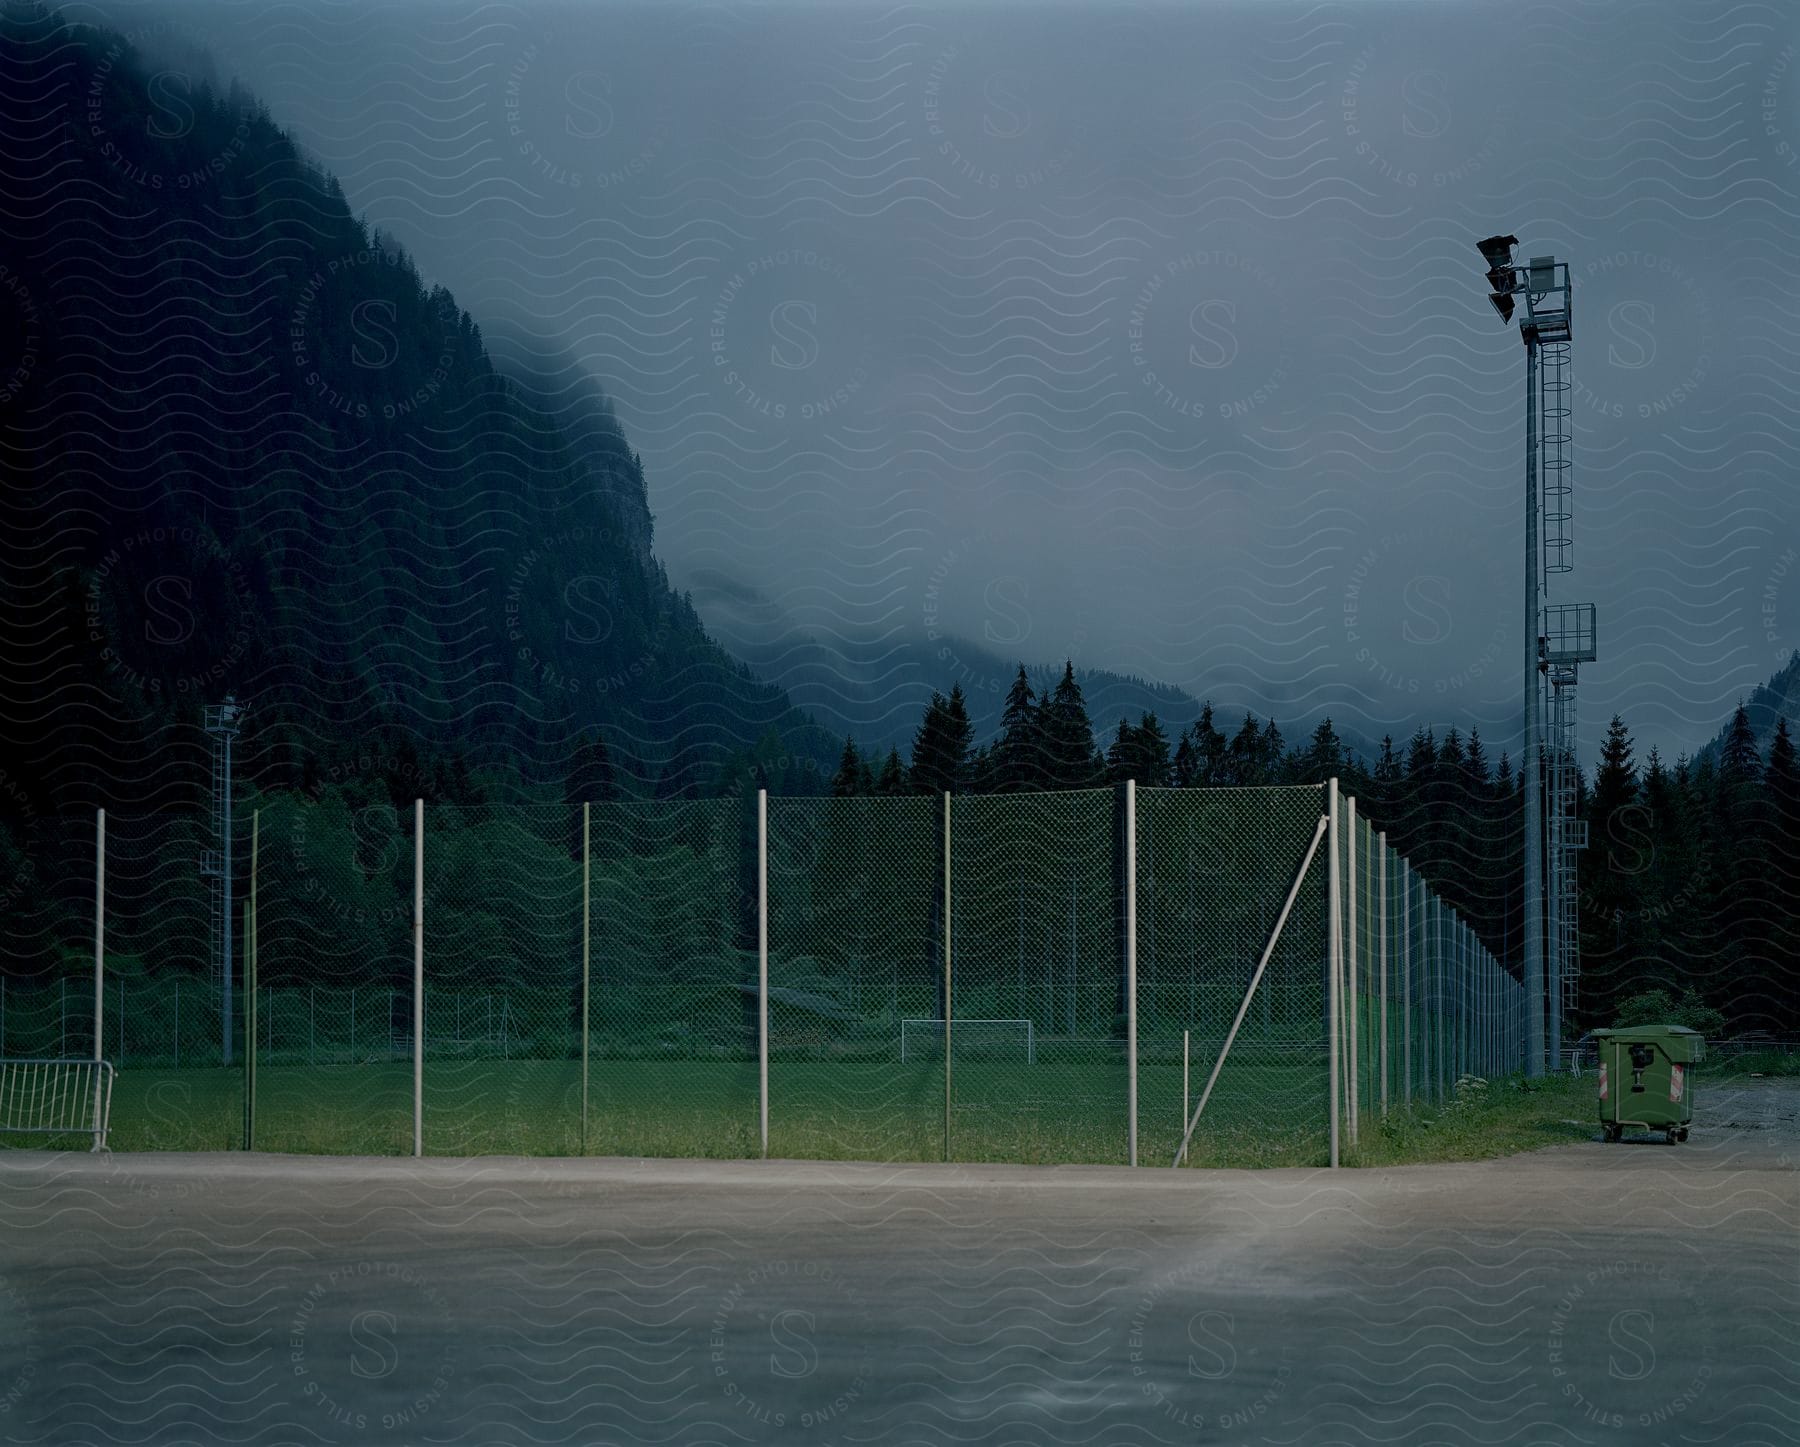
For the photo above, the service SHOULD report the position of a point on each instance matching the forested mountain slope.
(245, 448)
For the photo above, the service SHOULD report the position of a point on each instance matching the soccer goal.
(975, 1039)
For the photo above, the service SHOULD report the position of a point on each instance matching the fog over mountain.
(1155, 339)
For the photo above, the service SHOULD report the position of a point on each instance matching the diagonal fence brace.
(1255, 980)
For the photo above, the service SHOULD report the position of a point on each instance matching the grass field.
(1049, 1113)
(1054, 1112)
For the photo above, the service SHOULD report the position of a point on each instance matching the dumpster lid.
(1619, 1030)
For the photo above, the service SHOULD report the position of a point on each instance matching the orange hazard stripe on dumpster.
(1675, 1082)
(1603, 1080)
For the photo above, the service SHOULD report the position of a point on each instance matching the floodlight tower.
(1556, 638)
(222, 722)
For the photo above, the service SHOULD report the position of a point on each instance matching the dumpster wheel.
(1611, 1133)
(1681, 1134)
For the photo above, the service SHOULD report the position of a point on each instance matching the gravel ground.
(1594, 1293)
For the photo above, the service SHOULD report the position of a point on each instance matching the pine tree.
(1209, 750)
(1121, 757)
(1781, 783)
(1383, 791)
(1739, 762)
(1187, 762)
(892, 782)
(1615, 779)
(940, 756)
(962, 735)
(1068, 735)
(1271, 754)
(931, 771)
(1019, 753)
(1737, 799)
(981, 775)
(847, 781)
(1781, 777)
(1475, 763)
(1412, 809)
(1613, 866)
(1151, 752)
(1243, 756)
(1323, 757)
(1421, 754)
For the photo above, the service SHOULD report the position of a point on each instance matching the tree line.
(1688, 882)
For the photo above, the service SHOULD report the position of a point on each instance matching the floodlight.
(1497, 250)
(1502, 304)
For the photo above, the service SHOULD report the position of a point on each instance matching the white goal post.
(917, 1034)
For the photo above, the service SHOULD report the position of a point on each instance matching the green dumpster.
(1646, 1078)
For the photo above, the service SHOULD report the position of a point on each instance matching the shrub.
(1656, 1007)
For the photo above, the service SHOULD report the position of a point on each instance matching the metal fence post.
(1452, 1024)
(1467, 994)
(948, 1011)
(1458, 1062)
(1459, 1056)
(99, 963)
(762, 967)
(1427, 984)
(1490, 1013)
(1334, 953)
(1131, 1041)
(1406, 991)
(418, 1051)
(1443, 996)
(1437, 999)
(1464, 994)
(1381, 953)
(1353, 991)
(1466, 1015)
(586, 905)
(250, 988)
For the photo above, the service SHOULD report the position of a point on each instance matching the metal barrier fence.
(1112, 975)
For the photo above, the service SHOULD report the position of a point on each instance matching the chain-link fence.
(856, 952)
(1105, 975)
(1215, 867)
(1428, 1006)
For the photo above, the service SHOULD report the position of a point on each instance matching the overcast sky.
(1151, 335)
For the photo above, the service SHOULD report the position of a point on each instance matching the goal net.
(971, 1039)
